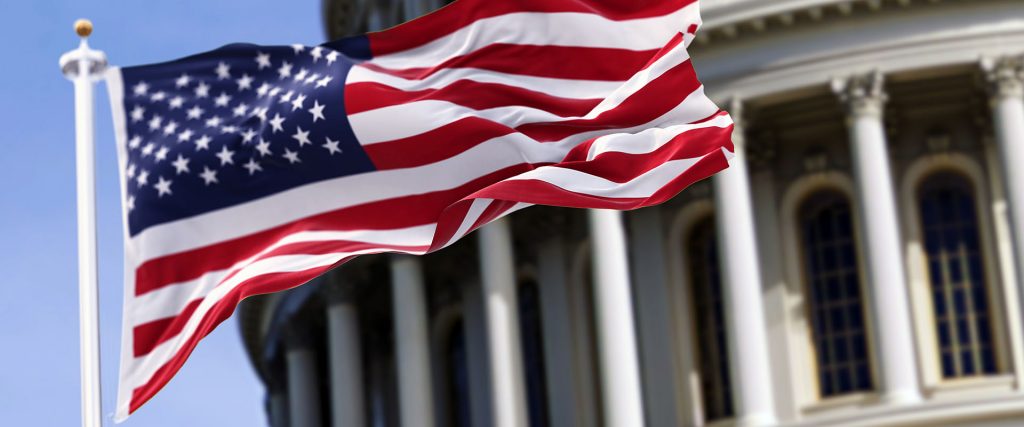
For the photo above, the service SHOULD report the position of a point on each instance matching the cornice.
(728, 20)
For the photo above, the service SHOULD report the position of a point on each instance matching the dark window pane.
(836, 308)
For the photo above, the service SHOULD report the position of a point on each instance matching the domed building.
(861, 263)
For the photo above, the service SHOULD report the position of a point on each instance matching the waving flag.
(253, 169)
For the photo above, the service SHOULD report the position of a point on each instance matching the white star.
(285, 71)
(161, 154)
(130, 171)
(261, 113)
(131, 203)
(324, 81)
(222, 100)
(185, 135)
(332, 56)
(262, 60)
(312, 78)
(292, 156)
(209, 176)
(301, 74)
(263, 147)
(155, 122)
(317, 111)
(301, 136)
(332, 146)
(241, 109)
(182, 81)
(229, 129)
(263, 89)
(223, 71)
(170, 127)
(148, 149)
(276, 123)
(163, 187)
(252, 166)
(194, 113)
(248, 135)
(140, 89)
(297, 103)
(134, 142)
(213, 122)
(286, 98)
(143, 178)
(225, 156)
(203, 143)
(316, 53)
(159, 96)
(138, 113)
(273, 92)
(176, 102)
(298, 48)
(180, 165)
(203, 90)
(245, 82)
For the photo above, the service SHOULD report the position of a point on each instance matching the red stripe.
(647, 104)
(218, 313)
(644, 106)
(435, 145)
(462, 13)
(559, 62)
(366, 96)
(149, 335)
(382, 215)
(544, 193)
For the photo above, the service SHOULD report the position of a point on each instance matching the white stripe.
(141, 370)
(472, 214)
(571, 29)
(649, 139)
(168, 301)
(379, 125)
(581, 182)
(562, 88)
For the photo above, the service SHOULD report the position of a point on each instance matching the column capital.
(343, 285)
(298, 335)
(862, 94)
(1004, 76)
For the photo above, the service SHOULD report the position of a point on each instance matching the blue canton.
(233, 125)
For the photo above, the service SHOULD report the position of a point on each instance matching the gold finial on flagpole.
(83, 27)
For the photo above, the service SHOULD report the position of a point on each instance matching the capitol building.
(860, 264)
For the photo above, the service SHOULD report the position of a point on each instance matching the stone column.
(303, 386)
(497, 268)
(617, 344)
(344, 353)
(1006, 84)
(277, 406)
(412, 346)
(864, 99)
(742, 292)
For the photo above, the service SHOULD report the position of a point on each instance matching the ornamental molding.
(1004, 76)
(862, 95)
(727, 20)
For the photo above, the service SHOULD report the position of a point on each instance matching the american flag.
(253, 169)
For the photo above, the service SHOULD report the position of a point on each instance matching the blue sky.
(39, 383)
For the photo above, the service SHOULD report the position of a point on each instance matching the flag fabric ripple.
(253, 169)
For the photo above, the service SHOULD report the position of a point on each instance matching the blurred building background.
(856, 266)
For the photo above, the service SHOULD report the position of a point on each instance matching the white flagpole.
(84, 66)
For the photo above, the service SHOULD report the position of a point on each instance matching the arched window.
(836, 308)
(532, 342)
(457, 382)
(709, 317)
(949, 221)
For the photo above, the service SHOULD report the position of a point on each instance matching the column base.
(757, 420)
(902, 397)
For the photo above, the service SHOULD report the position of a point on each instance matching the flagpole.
(84, 66)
